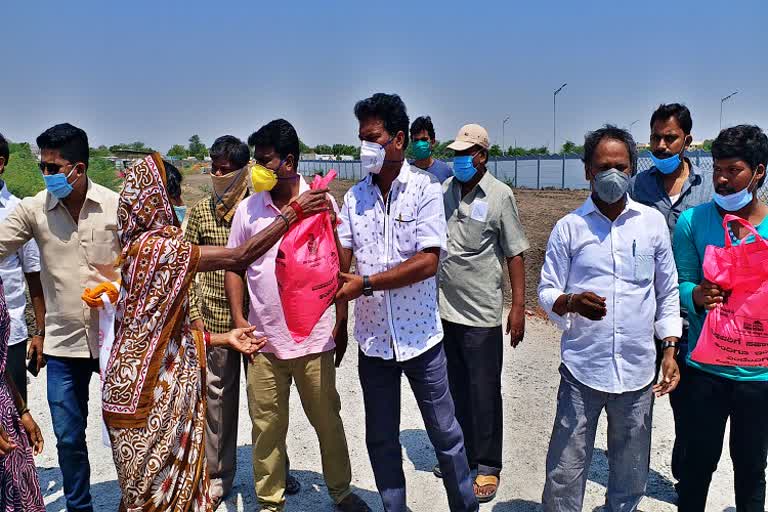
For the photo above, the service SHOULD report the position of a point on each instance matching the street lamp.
(554, 118)
(723, 100)
(633, 123)
(503, 124)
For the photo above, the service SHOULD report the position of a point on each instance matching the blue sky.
(160, 71)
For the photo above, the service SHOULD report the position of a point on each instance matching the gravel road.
(530, 382)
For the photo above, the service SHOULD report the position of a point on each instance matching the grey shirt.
(483, 229)
(647, 187)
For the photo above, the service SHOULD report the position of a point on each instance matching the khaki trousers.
(223, 381)
(269, 386)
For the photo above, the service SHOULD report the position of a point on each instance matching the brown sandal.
(486, 481)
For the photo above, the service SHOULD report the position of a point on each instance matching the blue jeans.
(428, 376)
(68, 380)
(573, 441)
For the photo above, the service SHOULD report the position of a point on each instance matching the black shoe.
(437, 471)
(292, 485)
(353, 503)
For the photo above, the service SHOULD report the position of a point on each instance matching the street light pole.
(503, 124)
(554, 118)
(723, 100)
(633, 123)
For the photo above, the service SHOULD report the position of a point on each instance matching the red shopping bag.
(307, 269)
(735, 333)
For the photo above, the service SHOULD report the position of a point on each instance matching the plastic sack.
(735, 333)
(106, 340)
(307, 268)
(102, 298)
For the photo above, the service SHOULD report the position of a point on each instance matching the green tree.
(101, 151)
(571, 148)
(196, 148)
(303, 148)
(324, 149)
(707, 145)
(495, 151)
(177, 151)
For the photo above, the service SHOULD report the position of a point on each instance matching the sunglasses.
(49, 168)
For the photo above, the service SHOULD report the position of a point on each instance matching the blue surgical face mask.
(181, 212)
(736, 201)
(666, 165)
(463, 168)
(58, 184)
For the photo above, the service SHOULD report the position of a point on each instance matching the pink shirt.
(266, 312)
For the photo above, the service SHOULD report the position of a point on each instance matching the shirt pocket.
(103, 247)
(468, 234)
(404, 234)
(643, 265)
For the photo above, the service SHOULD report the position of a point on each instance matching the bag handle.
(733, 218)
(323, 181)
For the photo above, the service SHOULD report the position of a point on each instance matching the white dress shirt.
(629, 262)
(12, 269)
(402, 323)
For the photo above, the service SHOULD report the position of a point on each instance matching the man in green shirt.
(484, 233)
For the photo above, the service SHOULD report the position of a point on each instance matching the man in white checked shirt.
(609, 281)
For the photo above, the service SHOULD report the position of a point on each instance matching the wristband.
(207, 338)
(297, 208)
(285, 219)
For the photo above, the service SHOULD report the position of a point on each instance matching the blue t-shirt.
(697, 228)
(440, 170)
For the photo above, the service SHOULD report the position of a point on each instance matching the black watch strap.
(367, 289)
(669, 344)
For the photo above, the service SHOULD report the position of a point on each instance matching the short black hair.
(231, 148)
(70, 141)
(4, 151)
(676, 110)
(279, 135)
(609, 131)
(423, 123)
(173, 180)
(387, 107)
(745, 142)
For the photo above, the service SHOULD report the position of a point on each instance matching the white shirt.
(402, 323)
(630, 263)
(12, 269)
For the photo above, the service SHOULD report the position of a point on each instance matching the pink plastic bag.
(735, 333)
(307, 268)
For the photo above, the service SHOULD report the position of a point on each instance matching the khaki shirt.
(483, 229)
(73, 257)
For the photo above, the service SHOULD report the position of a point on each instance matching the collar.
(267, 197)
(589, 207)
(694, 175)
(91, 194)
(402, 177)
(5, 195)
(484, 184)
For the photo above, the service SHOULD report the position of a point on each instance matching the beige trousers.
(269, 386)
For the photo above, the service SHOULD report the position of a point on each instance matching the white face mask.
(372, 156)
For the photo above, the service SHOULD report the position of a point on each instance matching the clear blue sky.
(159, 71)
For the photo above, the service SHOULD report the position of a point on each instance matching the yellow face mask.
(262, 179)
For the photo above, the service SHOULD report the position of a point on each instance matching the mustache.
(725, 190)
(663, 154)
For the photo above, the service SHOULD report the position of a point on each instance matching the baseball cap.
(470, 135)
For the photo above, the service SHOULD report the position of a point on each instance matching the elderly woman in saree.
(153, 398)
(20, 437)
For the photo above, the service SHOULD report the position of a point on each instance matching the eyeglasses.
(49, 168)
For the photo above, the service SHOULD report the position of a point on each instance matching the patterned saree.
(153, 397)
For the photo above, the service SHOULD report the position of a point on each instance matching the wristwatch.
(39, 332)
(669, 344)
(367, 289)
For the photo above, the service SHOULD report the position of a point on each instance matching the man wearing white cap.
(484, 232)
